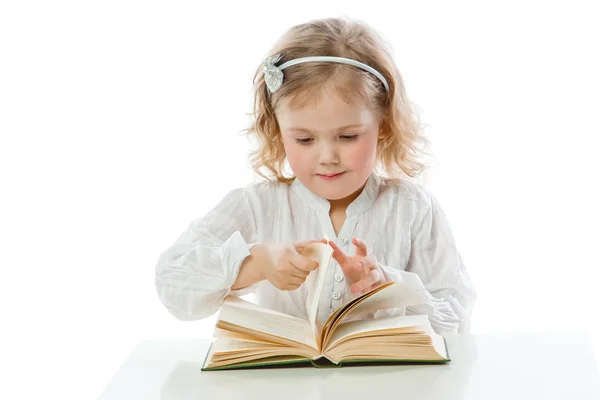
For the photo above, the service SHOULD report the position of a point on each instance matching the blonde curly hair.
(398, 152)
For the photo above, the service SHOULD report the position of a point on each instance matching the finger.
(303, 263)
(365, 264)
(361, 247)
(338, 255)
(358, 267)
(301, 245)
(299, 273)
(295, 280)
(372, 277)
(290, 282)
(370, 261)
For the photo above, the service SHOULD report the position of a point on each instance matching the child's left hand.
(362, 269)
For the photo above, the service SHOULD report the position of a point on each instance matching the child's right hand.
(284, 266)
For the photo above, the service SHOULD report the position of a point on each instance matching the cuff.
(233, 253)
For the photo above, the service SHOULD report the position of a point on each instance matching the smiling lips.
(329, 177)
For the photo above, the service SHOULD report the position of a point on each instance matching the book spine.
(324, 362)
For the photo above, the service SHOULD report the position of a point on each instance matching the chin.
(335, 193)
(335, 196)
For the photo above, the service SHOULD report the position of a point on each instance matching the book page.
(222, 333)
(321, 253)
(397, 295)
(339, 315)
(388, 295)
(230, 345)
(244, 314)
(396, 352)
(409, 323)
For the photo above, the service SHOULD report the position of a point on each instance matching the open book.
(248, 335)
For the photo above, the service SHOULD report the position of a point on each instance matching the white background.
(121, 122)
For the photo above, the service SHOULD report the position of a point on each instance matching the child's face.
(318, 142)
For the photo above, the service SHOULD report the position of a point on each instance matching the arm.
(436, 271)
(251, 270)
(197, 272)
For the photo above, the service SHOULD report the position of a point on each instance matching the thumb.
(301, 245)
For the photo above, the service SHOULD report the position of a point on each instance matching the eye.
(304, 140)
(348, 137)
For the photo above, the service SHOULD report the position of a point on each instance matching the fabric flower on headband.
(273, 75)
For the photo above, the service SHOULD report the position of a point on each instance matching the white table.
(499, 366)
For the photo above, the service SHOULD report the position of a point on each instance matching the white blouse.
(401, 222)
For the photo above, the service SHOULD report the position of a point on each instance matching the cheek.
(363, 153)
(295, 156)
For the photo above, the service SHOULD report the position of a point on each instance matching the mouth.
(331, 176)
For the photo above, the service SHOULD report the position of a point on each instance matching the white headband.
(274, 75)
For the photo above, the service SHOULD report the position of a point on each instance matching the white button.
(336, 295)
(339, 277)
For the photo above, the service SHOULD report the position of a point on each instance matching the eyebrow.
(339, 129)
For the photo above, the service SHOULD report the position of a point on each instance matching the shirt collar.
(364, 200)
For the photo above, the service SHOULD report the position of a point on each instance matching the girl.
(329, 102)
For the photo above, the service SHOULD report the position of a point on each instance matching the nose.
(328, 154)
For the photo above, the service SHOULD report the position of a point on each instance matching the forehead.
(327, 111)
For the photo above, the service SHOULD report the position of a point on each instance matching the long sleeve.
(437, 272)
(195, 274)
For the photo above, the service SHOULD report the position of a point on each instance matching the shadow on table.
(186, 381)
